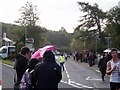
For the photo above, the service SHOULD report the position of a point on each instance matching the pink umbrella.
(86, 50)
(39, 53)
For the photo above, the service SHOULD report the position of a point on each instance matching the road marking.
(95, 85)
(97, 70)
(65, 68)
(68, 76)
(90, 78)
(66, 72)
(63, 81)
(69, 81)
(75, 86)
(72, 83)
(83, 86)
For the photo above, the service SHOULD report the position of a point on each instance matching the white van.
(5, 51)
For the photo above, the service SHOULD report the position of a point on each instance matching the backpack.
(25, 83)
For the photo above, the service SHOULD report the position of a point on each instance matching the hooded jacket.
(48, 73)
(21, 64)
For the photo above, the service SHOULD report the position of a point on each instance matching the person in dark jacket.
(102, 65)
(21, 64)
(26, 81)
(48, 73)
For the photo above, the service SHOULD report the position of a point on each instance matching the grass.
(9, 62)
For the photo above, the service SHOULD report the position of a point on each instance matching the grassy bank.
(9, 62)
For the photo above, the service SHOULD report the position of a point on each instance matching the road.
(7, 76)
(76, 75)
(81, 76)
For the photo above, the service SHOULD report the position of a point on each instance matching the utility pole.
(25, 35)
(108, 41)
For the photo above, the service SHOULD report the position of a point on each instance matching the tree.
(29, 15)
(83, 39)
(93, 18)
(60, 39)
(28, 20)
(38, 33)
(113, 26)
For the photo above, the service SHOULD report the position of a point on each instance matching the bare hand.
(114, 67)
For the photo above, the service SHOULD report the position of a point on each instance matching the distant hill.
(61, 39)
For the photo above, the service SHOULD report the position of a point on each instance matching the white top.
(115, 75)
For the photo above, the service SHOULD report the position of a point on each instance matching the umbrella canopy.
(86, 51)
(7, 39)
(109, 50)
(39, 53)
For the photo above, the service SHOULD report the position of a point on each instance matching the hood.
(49, 56)
(32, 63)
(19, 56)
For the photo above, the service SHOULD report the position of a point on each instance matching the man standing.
(21, 64)
(48, 73)
(113, 69)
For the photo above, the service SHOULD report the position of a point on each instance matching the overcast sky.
(53, 14)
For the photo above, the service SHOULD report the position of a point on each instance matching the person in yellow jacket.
(62, 61)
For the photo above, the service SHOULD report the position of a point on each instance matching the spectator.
(48, 73)
(26, 81)
(77, 56)
(102, 65)
(98, 57)
(90, 58)
(21, 64)
(94, 58)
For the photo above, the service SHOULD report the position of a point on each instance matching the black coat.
(102, 65)
(47, 75)
(21, 64)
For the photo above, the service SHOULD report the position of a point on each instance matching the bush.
(11, 56)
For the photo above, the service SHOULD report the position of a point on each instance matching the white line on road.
(69, 81)
(65, 68)
(83, 86)
(68, 76)
(95, 85)
(90, 78)
(72, 83)
(97, 70)
(63, 81)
